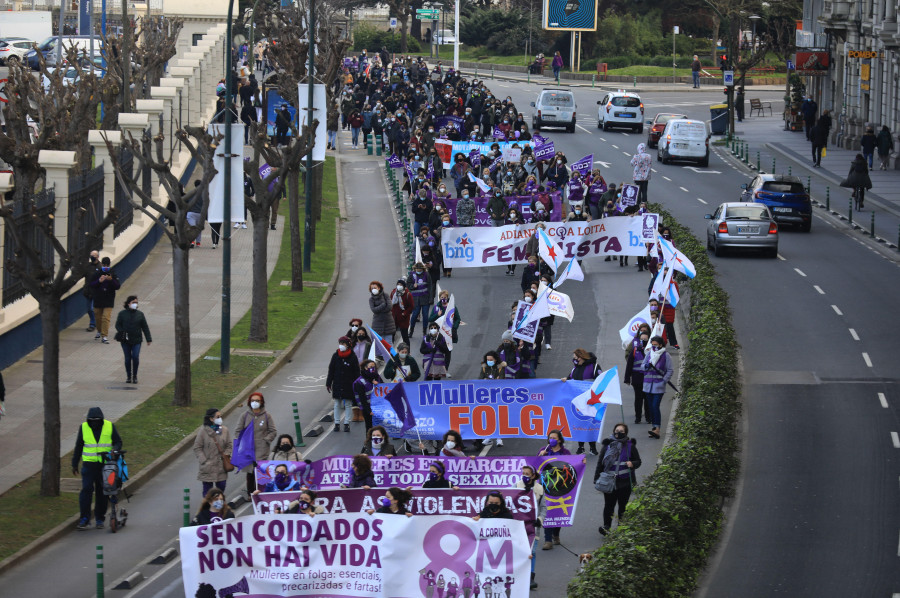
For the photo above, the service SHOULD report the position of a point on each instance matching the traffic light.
(723, 61)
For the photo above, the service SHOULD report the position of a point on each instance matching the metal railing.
(123, 196)
(43, 204)
(85, 207)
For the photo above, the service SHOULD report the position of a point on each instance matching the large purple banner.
(523, 202)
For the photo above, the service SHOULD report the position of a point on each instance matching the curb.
(164, 460)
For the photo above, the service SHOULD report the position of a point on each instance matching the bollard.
(808, 184)
(378, 149)
(370, 141)
(100, 584)
(492, 73)
(635, 80)
(187, 507)
(297, 427)
(758, 165)
(593, 80)
(476, 71)
(850, 211)
(828, 198)
(872, 226)
(789, 171)
(773, 164)
(529, 75)
(745, 154)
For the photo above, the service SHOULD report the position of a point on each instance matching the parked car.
(621, 109)
(444, 37)
(554, 108)
(740, 225)
(48, 48)
(657, 125)
(786, 197)
(684, 139)
(69, 78)
(13, 49)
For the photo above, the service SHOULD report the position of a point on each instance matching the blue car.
(785, 196)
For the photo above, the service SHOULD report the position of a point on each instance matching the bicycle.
(115, 472)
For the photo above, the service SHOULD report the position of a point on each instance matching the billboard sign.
(810, 63)
(570, 15)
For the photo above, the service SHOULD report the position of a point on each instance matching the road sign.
(790, 65)
(728, 76)
(426, 14)
(393, 23)
(3, 83)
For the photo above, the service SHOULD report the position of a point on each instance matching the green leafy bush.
(366, 35)
(663, 541)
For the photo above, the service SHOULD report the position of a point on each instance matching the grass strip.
(674, 519)
(155, 426)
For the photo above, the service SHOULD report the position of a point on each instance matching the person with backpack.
(620, 458)
(858, 180)
(96, 437)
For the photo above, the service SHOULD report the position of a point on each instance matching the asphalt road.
(815, 513)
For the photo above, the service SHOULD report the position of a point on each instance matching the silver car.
(742, 226)
(554, 108)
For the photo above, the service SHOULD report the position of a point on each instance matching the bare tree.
(269, 189)
(48, 285)
(149, 153)
(47, 112)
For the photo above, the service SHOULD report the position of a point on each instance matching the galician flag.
(381, 346)
(482, 186)
(605, 390)
(677, 260)
(446, 322)
(630, 329)
(539, 309)
(571, 271)
(549, 251)
(419, 252)
(672, 295)
(661, 283)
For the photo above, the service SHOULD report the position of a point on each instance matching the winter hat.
(344, 339)
(507, 336)
(401, 281)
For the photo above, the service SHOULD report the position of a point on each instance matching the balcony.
(887, 31)
(835, 15)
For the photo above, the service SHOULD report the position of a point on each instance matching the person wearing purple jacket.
(657, 373)
(595, 191)
(555, 447)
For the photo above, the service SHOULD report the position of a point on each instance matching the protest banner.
(505, 245)
(465, 502)
(455, 122)
(544, 151)
(354, 556)
(561, 476)
(522, 202)
(515, 408)
(629, 195)
(512, 154)
(583, 166)
(528, 332)
(446, 149)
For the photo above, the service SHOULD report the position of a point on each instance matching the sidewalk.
(793, 153)
(93, 374)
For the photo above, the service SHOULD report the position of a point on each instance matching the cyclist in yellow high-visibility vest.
(96, 436)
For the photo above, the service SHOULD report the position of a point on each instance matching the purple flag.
(496, 163)
(545, 151)
(430, 174)
(243, 451)
(538, 139)
(583, 166)
(409, 171)
(264, 171)
(498, 133)
(394, 162)
(475, 158)
(400, 404)
(455, 122)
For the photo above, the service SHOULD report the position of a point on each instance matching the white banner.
(319, 112)
(472, 246)
(558, 303)
(355, 556)
(217, 185)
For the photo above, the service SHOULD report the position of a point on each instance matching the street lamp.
(225, 333)
(753, 18)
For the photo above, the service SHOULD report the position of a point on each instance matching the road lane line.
(781, 257)
(883, 400)
(616, 146)
(702, 201)
(866, 359)
(602, 139)
(818, 289)
(683, 189)
(667, 178)
(625, 134)
(800, 272)
(652, 169)
(837, 310)
(626, 153)
(585, 130)
(895, 439)
(854, 335)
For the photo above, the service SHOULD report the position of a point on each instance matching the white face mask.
(528, 299)
(342, 347)
(133, 305)
(218, 504)
(354, 328)
(254, 404)
(400, 288)
(375, 291)
(218, 421)
(433, 331)
(450, 444)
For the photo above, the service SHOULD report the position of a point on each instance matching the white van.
(684, 139)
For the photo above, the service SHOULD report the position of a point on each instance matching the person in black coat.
(858, 180)
(282, 126)
(820, 137)
(377, 443)
(104, 285)
(361, 475)
(436, 479)
(133, 327)
(343, 370)
(619, 455)
(494, 508)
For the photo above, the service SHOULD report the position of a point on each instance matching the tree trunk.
(715, 41)
(26, 181)
(50, 329)
(293, 185)
(403, 18)
(259, 307)
(181, 286)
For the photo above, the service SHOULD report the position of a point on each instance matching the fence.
(123, 196)
(43, 205)
(85, 207)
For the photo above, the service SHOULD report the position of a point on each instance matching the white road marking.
(854, 335)
(781, 257)
(702, 201)
(683, 189)
(626, 153)
(837, 310)
(652, 169)
(818, 289)
(602, 139)
(616, 146)
(866, 359)
(585, 130)
(626, 134)
(895, 439)
(667, 178)
(883, 400)
(800, 272)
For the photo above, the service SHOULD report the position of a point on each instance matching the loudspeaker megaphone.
(241, 587)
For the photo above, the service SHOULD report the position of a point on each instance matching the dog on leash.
(583, 560)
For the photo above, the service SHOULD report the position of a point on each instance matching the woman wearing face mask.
(355, 324)
(530, 481)
(212, 509)
(436, 477)
(363, 387)
(595, 191)
(362, 342)
(343, 370)
(211, 445)
(403, 367)
(494, 508)
(442, 194)
(419, 284)
(434, 354)
(634, 371)
(264, 433)
(402, 305)
(497, 208)
(305, 505)
(438, 311)
(530, 274)
(382, 320)
(465, 210)
(492, 368)
(361, 475)
(459, 172)
(284, 450)
(513, 218)
(131, 328)
(584, 367)
(658, 371)
(555, 447)
(393, 502)
(511, 355)
(452, 444)
(281, 482)
(378, 444)
(620, 456)
(529, 186)
(557, 173)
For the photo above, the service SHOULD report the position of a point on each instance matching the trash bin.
(718, 119)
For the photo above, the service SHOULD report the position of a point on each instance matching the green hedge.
(662, 543)
(367, 36)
